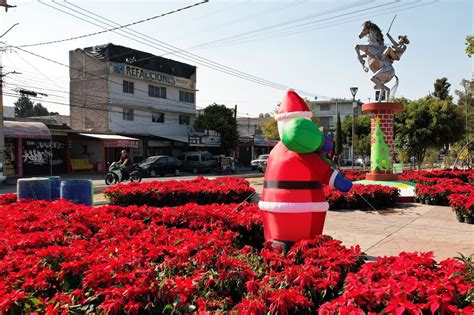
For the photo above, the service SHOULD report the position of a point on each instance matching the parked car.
(255, 163)
(262, 167)
(161, 165)
(197, 162)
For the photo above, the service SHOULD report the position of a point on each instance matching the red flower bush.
(417, 176)
(61, 257)
(354, 175)
(175, 193)
(379, 196)
(437, 194)
(6, 199)
(411, 283)
(463, 205)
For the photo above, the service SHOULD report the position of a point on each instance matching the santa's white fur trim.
(333, 178)
(293, 115)
(293, 207)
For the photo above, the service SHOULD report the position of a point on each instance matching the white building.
(326, 112)
(119, 90)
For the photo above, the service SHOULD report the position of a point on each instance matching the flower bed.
(377, 195)
(354, 175)
(175, 193)
(462, 205)
(6, 199)
(437, 194)
(408, 284)
(56, 256)
(417, 176)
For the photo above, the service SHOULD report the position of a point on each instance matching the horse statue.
(380, 57)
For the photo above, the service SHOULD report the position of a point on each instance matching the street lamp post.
(354, 105)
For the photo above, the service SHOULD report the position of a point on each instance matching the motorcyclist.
(125, 162)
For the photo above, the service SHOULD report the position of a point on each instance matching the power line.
(247, 17)
(118, 27)
(206, 63)
(278, 34)
(337, 9)
(183, 54)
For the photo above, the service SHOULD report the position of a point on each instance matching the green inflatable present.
(302, 135)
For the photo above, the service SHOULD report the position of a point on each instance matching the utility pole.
(2, 132)
(354, 105)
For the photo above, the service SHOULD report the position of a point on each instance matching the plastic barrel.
(37, 188)
(55, 182)
(79, 191)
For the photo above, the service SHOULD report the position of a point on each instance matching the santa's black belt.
(287, 184)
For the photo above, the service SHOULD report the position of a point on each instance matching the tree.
(466, 103)
(361, 128)
(427, 123)
(469, 45)
(441, 89)
(221, 119)
(24, 107)
(380, 152)
(270, 129)
(338, 146)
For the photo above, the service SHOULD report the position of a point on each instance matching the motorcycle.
(116, 175)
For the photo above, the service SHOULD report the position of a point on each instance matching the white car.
(255, 163)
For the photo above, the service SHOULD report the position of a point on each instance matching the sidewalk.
(409, 227)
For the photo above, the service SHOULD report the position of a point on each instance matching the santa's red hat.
(293, 106)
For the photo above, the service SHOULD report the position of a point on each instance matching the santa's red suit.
(293, 201)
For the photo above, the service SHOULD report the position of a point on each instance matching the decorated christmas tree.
(379, 151)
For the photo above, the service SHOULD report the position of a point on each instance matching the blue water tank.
(55, 182)
(79, 191)
(36, 188)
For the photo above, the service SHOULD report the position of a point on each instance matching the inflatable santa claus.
(293, 203)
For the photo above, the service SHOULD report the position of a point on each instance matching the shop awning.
(175, 138)
(26, 130)
(114, 141)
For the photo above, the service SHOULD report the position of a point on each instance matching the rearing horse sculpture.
(380, 57)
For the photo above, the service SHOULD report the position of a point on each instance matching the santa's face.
(282, 122)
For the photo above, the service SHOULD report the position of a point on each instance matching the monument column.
(384, 113)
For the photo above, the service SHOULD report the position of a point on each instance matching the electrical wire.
(278, 25)
(116, 28)
(244, 18)
(402, 7)
(183, 54)
(186, 55)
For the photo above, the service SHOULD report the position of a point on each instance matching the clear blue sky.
(320, 60)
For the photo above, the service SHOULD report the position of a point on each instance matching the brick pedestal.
(385, 112)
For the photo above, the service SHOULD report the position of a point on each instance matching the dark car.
(197, 162)
(161, 165)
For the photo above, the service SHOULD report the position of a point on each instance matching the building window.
(127, 114)
(325, 107)
(184, 120)
(128, 87)
(158, 117)
(187, 97)
(156, 91)
(325, 122)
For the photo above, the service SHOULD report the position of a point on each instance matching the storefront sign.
(148, 75)
(206, 138)
(120, 143)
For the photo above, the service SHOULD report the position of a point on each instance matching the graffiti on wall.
(38, 155)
